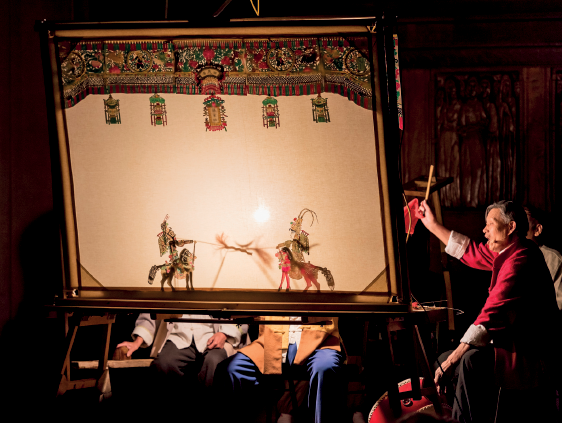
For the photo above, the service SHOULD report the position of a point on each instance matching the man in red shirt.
(509, 344)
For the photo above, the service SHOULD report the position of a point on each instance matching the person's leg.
(476, 394)
(235, 384)
(211, 359)
(169, 374)
(237, 374)
(200, 395)
(326, 395)
(171, 362)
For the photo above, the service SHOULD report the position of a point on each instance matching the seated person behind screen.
(510, 344)
(279, 348)
(552, 257)
(190, 350)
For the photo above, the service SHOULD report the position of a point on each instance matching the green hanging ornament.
(158, 111)
(320, 111)
(112, 112)
(270, 112)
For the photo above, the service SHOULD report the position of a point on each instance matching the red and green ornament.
(270, 113)
(320, 111)
(112, 112)
(214, 113)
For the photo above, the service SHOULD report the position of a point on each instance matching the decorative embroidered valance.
(272, 67)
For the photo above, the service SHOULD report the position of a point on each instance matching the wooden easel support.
(102, 379)
(420, 187)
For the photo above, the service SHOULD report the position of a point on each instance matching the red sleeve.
(478, 256)
(495, 314)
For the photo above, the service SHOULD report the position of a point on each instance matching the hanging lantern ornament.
(214, 113)
(158, 110)
(112, 112)
(320, 111)
(270, 113)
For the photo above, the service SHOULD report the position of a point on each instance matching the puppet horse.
(181, 268)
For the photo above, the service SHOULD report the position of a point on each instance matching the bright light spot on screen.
(261, 214)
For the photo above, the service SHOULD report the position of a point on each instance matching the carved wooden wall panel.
(536, 140)
(477, 135)
(556, 136)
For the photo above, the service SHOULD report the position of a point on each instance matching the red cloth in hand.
(413, 205)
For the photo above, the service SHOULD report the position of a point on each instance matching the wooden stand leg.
(104, 385)
(102, 379)
(446, 276)
(430, 389)
(73, 323)
(393, 393)
(415, 377)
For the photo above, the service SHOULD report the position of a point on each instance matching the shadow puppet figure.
(180, 265)
(291, 253)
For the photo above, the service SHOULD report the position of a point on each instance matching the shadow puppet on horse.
(180, 266)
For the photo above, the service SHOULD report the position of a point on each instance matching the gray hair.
(512, 212)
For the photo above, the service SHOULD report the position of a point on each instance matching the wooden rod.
(250, 321)
(429, 182)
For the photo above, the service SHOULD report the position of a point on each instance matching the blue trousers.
(239, 379)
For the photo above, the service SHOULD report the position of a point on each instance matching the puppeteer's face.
(497, 232)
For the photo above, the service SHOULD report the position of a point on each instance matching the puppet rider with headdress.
(291, 255)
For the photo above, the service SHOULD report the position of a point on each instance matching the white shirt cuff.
(144, 334)
(476, 336)
(457, 245)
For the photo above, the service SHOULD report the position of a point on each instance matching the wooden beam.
(113, 364)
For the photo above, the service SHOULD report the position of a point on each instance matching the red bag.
(382, 413)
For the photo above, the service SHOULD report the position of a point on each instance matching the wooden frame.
(73, 295)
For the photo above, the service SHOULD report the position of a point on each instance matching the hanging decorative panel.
(112, 112)
(320, 112)
(270, 113)
(214, 113)
(271, 67)
(158, 110)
